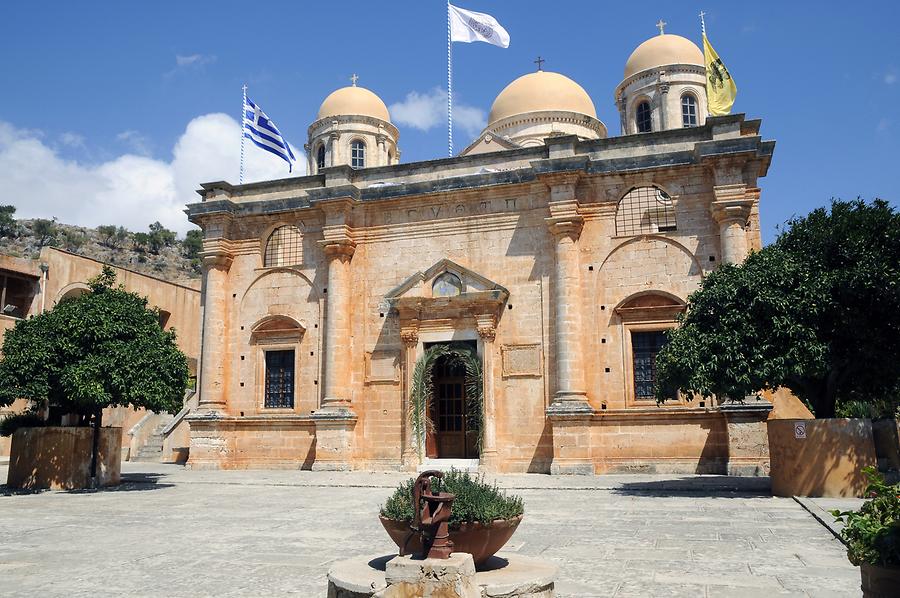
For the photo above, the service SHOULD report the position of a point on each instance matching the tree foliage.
(817, 312)
(159, 237)
(112, 236)
(192, 244)
(45, 232)
(102, 349)
(8, 225)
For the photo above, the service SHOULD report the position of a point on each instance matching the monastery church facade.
(550, 255)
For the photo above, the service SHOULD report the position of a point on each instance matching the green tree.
(45, 232)
(140, 241)
(8, 225)
(112, 236)
(192, 244)
(817, 312)
(101, 349)
(160, 237)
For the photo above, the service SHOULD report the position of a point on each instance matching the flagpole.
(241, 123)
(449, 86)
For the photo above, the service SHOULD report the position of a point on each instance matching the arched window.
(320, 158)
(645, 210)
(284, 247)
(642, 118)
(688, 110)
(446, 285)
(358, 154)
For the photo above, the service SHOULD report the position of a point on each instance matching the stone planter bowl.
(481, 541)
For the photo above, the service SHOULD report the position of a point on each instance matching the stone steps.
(151, 451)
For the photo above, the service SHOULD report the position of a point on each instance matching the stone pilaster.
(569, 414)
(214, 350)
(565, 225)
(486, 325)
(409, 334)
(731, 210)
(335, 419)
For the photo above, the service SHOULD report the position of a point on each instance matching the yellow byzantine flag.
(720, 87)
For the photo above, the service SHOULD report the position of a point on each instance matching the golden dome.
(538, 92)
(661, 50)
(353, 101)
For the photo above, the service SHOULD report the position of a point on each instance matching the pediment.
(421, 285)
(487, 142)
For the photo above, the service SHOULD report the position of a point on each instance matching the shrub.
(13, 422)
(872, 533)
(476, 500)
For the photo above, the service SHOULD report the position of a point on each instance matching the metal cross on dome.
(662, 25)
(354, 78)
(540, 62)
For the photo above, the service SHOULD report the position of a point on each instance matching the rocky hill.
(157, 252)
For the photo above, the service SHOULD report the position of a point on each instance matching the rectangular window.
(644, 347)
(279, 379)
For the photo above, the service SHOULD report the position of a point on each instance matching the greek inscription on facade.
(460, 209)
(435, 211)
(511, 204)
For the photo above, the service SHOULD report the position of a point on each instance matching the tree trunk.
(95, 446)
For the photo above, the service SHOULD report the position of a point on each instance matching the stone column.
(570, 413)
(214, 350)
(487, 330)
(409, 334)
(335, 419)
(337, 326)
(566, 290)
(731, 210)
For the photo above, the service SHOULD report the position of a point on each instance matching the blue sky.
(113, 112)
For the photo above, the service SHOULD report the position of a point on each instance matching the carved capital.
(486, 325)
(343, 249)
(733, 203)
(410, 334)
(569, 227)
(216, 261)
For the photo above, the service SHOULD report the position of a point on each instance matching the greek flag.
(263, 132)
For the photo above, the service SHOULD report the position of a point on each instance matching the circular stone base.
(506, 574)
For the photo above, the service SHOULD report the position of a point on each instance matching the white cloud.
(71, 139)
(424, 111)
(890, 78)
(194, 60)
(130, 190)
(135, 141)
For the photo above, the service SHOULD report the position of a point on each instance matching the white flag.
(470, 26)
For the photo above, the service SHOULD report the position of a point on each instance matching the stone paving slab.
(174, 532)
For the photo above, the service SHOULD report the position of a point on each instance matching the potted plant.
(872, 536)
(483, 518)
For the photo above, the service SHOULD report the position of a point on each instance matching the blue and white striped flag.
(263, 132)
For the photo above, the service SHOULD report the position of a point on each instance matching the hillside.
(157, 252)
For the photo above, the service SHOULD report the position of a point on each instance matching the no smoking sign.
(799, 430)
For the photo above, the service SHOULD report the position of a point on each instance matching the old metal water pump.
(431, 512)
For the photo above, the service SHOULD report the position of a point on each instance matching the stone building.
(555, 255)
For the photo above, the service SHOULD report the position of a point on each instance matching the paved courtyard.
(174, 532)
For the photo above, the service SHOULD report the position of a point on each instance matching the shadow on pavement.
(712, 486)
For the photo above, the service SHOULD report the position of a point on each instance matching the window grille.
(645, 210)
(688, 110)
(284, 247)
(645, 346)
(279, 379)
(320, 158)
(358, 154)
(642, 119)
